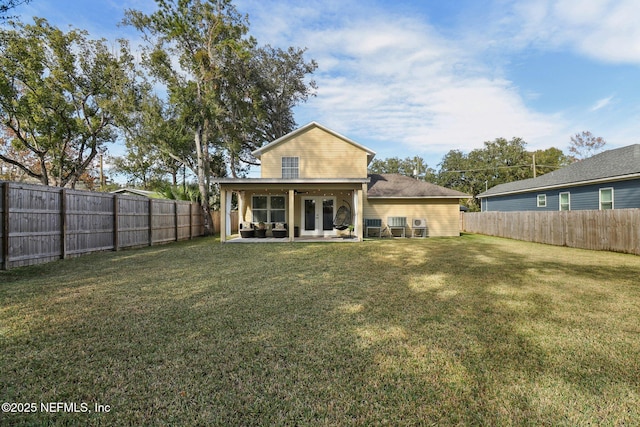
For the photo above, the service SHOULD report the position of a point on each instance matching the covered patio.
(306, 207)
(338, 239)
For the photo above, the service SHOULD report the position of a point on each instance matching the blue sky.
(422, 77)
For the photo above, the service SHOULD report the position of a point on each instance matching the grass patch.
(470, 330)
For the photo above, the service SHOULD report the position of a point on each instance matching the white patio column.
(228, 213)
(360, 212)
(357, 213)
(223, 214)
(292, 211)
(240, 208)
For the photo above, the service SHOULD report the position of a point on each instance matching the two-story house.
(310, 173)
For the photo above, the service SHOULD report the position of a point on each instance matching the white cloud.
(606, 30)
(396, 80)
(601, 103)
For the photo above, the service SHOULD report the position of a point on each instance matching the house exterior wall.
(587, 197)
(442, 215)
(321, 155)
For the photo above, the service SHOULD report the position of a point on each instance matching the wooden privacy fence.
(42, 224)
(615, 230)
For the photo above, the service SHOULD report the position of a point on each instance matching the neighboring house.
(136, 192)
(609, 180)
(309, 174)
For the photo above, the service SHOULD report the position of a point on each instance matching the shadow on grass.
(523, 331)
(445, 331)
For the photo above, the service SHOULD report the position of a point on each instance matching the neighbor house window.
(268, 208)
(542, 200)
(565, 202)
(606, 198)
(290, 167)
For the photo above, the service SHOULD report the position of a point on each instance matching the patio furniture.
(397, 223)
(246, 230)
(261, 230)
(372, 223)
(342, 221)
(279, 230)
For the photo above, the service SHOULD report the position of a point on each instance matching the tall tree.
(218, 82)
(498, 162)
(157, 144)
(548, 160)
(584, 145)
(62, 96)
(204, 38)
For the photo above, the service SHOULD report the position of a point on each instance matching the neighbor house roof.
(395, 186)
(257, 153)
(612, 165)
(137, 192)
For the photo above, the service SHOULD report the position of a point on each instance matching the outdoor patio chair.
(279, 230)
(397, 223)
(372, 223)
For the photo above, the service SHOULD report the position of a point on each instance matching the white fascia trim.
(567, 185)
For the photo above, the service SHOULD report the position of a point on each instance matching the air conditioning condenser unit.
(419, 223)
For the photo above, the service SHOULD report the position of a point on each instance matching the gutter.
(564, 185)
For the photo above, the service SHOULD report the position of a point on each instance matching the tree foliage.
(584, 145)
(7, 5)
(190, 46)
(230, 95)
(409, 166)
(62, 96)
(157, 144)
(498, 162)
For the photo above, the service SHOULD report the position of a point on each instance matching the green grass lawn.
(451, 331)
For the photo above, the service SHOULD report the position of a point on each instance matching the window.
(565, 202)
(290, 167)
(542, 200)
(259, 208)
(268, 208)
(606, 198)
(277, 209)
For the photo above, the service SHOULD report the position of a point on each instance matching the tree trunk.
(202, 152)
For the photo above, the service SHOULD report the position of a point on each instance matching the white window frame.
(290, 167)
(600, 198)
(269, 209)
(568, 201)
(541, 203)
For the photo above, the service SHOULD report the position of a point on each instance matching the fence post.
(63, 223)
(150, 222)
(175, 218)
(116, 223)
(190, 220)
(5, 225)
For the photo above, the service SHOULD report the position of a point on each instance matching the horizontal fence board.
(615, 230)
(43, 224)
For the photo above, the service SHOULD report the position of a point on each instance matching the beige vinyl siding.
(442, 215)
(321, 155)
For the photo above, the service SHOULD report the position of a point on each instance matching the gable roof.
(396, 186)
(611, 165)
(257, 153)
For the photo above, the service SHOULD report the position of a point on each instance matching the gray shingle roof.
(610, 164)
(399, 186)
